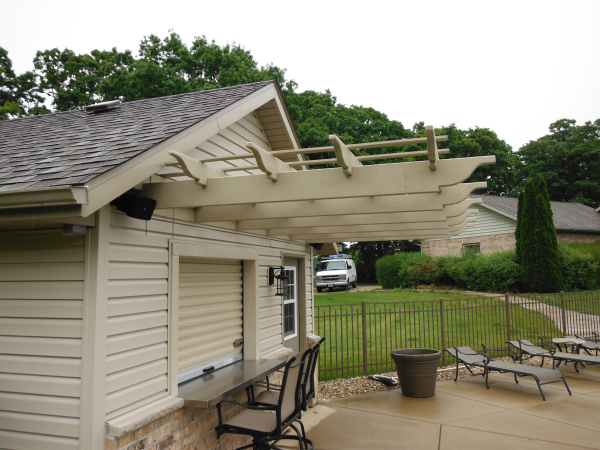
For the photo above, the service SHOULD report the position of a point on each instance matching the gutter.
(60, 196)
(578, 230)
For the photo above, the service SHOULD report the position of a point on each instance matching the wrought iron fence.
(361, 336)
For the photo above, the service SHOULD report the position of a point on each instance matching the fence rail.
(361, 336)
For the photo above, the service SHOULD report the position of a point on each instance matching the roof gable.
(74, 147)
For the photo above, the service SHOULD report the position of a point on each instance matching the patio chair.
(470, 357)
(589, 346)
(269, 397)
(575, 358)
(261, 424)
(528, 350)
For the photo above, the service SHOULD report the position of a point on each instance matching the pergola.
(351, 202)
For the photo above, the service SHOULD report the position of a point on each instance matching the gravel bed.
(348, 387)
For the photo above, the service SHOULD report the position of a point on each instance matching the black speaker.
(135, 205)
(317, 246)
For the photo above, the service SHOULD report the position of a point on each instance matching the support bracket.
(268, 163)
(432, 150)
(195, 169)
(345, 157)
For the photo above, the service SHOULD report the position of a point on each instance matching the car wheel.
(319, 290)
(354, 284)
(348, 286)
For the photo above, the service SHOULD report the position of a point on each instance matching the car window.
(332, 265)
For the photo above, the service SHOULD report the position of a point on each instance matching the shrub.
(580, 269)
(404, 270)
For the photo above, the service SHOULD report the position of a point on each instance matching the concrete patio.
(465, 415)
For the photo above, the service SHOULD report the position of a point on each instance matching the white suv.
(336, 271)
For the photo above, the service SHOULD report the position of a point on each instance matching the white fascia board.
(59, 196)
(108, 186)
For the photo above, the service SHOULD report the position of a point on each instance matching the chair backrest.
(467, 355)
(529, 347)
(289, 396)
(309, 378)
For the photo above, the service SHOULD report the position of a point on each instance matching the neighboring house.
(109, 324)
(494, 227)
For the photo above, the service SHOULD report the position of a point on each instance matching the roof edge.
(499, 211)
(579, 230)
(59, 196)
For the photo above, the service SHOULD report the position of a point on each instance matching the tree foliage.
(569, 160)
(366, 254)
(527, 244)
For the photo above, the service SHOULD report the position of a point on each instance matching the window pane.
(289, 319)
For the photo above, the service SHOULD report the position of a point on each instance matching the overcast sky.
(512, 66)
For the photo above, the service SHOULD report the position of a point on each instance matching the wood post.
(443, 327)
(364, 337)
(564, 312)
(508, 330)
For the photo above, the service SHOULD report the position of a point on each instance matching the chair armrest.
(596, 336)
(487, 359)
(489, 349)
(269, 386)
(549, 344)
(245, 405)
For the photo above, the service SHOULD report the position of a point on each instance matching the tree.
(518, 227)
(548, 268)
(569, 160)
(502, 177)
(17, 92)
(366, 254)
(527, 244)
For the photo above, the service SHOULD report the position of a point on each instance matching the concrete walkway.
(465, 415)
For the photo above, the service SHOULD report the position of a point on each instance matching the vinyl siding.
(487, 223)
(138, 301)
(41, 307)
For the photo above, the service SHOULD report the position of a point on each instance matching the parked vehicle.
(336, 271)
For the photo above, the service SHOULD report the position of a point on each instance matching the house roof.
(73, 147)
(567, 215)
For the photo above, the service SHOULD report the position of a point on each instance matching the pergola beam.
(375, 180)
(363, 205)
(358, 219)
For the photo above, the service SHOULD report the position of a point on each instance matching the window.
(472, 248)
(290, 303)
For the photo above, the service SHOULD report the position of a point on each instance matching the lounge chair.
(470, 357)
(261, 424)
(588, 346)
(528, 350)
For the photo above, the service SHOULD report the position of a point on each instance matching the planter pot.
(417, 370)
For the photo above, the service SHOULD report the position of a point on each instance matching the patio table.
(566, 340)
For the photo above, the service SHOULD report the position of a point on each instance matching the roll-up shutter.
(210, 315)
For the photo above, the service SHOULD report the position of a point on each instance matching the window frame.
(290, 301)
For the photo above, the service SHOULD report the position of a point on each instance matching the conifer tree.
(548, 272)
(527, 245)
(518, 227)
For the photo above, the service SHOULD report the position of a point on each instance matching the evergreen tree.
(518, 227)
(548, 272)
(527, 245)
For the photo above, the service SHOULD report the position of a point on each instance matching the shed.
(110, 324)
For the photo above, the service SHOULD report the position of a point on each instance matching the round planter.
(417, 370)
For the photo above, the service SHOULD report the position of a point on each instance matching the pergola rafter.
(408, 200)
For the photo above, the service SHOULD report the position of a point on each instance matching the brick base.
(577, 238)
(186, 429)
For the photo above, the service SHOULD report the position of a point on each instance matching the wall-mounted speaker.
(135, 205)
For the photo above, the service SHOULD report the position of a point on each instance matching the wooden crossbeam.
(375, 180)
(417, 203)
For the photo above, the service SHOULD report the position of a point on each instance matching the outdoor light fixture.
(276, 273)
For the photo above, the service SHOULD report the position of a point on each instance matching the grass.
(405, 295)
(409, 319)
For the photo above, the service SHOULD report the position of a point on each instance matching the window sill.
(210, 389)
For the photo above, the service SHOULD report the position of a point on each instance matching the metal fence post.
(508, 330)
(443, 327)
(564, 312)
(364, 337)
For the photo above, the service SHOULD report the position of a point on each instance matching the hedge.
(497, 272)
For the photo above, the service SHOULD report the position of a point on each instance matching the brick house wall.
(494, 243)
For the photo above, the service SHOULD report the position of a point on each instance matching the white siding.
(138, 287)
(41, 298)
(487, 223)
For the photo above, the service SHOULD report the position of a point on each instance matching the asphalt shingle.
(77, 146)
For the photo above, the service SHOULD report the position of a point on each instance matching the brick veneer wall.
(186, 429)
(494, 243)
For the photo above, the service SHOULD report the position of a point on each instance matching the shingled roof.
(567, 216)
(71, 148)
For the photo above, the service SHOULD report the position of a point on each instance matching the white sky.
(512, 66)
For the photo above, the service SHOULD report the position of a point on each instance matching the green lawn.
(340, 298)
(408, 319)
